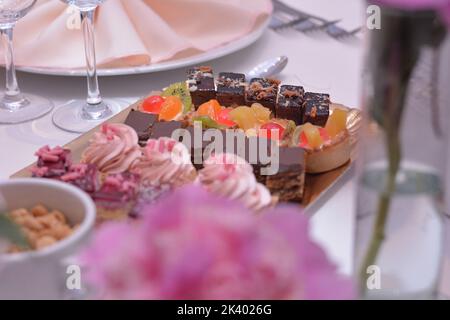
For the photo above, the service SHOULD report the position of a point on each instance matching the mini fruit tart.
(325, 148)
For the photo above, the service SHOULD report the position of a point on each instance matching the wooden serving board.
(317, 186)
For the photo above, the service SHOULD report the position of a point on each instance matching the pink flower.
(442, 6)
(193, 245)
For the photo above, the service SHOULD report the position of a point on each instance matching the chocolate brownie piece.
(316, 108)
(263, 91)
(201, 85)
(290, 103)
(142, 123)
(288, 184)
(231, 89)
(165, 129)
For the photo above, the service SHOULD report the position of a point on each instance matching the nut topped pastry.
(290, 103)
(263, 91)
(201, 85)
(231, 89)
(316, 108)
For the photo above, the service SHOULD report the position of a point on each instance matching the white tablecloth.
(317, 62)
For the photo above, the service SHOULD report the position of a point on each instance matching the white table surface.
(318, 63)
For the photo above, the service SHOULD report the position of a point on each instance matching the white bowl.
(42, 274)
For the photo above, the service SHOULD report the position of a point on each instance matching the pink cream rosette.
(165, 162)
(114, 149)
(232, 177)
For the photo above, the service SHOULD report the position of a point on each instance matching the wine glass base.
(73, 118)
(31, 107)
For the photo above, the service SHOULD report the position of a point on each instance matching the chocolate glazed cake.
(288, 184)
(316, 108)
(290, 103)
(201, 85)
(231, 89)
(142, 123)
(263, 91)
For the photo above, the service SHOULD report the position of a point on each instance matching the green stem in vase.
(396, 51)
(384, 203)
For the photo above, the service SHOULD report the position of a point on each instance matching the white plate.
(163, 66)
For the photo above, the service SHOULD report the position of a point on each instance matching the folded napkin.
(134, 32)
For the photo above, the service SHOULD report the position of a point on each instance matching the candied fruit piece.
(153, 104)
(244, 117)
(324, 134)
(211, 109)
(336, 123)
(270, 128)
(171, 109)
(262, 114)
(224, 118)
(208, 123)
(181, 91)
(312, 134)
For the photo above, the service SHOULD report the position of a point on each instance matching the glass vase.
(402, 157)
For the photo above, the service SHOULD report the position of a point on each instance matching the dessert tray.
(313, 139)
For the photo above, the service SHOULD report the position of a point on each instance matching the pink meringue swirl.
(165, 162)
(114, 149)
(232, 177)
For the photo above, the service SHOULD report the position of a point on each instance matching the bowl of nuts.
(55, 220)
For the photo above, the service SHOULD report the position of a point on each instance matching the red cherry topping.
(153, 104)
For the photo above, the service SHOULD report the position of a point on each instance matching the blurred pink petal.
(193, 245)
(442, 6)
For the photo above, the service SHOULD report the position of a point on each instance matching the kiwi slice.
(209, 123)
(180, 90)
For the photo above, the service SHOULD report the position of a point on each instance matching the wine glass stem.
(94, 97)
(12, 93)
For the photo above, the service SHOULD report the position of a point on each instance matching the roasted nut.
(32, 223)
(58, 215)
(41, 227)
(32, 237)
(39, 211)
(49, 220)
(18, 214)
(60, 232)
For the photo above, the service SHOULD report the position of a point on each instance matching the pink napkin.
(134, 32)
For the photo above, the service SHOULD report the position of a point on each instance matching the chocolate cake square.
(142, 123)
(289, 183)
(316, 108)
(231, 89)
(290, 103)
(263, 91)
(165, 129)
(201, 85)
(195, 149)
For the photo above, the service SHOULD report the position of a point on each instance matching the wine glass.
(16, 107)
(82, 115)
